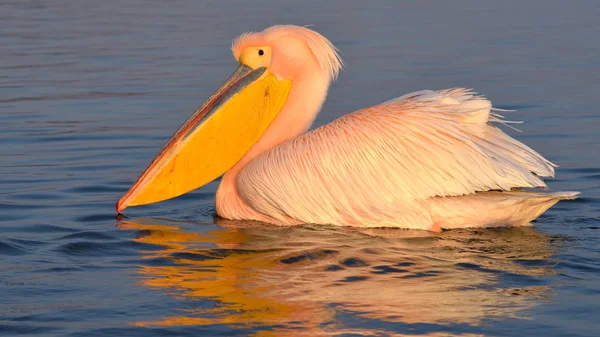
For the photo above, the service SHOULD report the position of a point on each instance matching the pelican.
(428, 160)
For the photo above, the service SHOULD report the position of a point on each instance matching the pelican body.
(428, 160)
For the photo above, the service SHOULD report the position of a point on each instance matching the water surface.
(90, 91)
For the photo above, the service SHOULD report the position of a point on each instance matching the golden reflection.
(313, 281)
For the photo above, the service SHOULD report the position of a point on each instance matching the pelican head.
(289, 52)
(275, 93)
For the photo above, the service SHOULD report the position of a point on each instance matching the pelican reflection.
(316, 280)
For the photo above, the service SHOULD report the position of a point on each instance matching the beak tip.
(120, 207)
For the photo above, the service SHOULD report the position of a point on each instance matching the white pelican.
(427, 160)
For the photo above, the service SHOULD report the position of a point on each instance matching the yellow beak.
(216, 137)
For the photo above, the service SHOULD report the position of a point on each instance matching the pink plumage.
(427, 160)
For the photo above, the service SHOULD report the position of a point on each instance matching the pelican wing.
(378, 165)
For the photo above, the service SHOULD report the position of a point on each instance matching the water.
(90, 90)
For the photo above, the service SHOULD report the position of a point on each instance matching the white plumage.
(396, 164)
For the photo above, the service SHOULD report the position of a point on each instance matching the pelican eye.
(255, 57)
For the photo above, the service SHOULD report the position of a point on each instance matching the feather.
(379, 166)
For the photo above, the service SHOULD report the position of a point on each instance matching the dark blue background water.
(90, 90)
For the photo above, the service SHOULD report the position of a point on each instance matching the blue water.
(90, 90)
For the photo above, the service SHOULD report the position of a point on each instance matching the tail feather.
(493, 209)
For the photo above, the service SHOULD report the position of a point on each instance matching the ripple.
(309, 256)
(519, 107)
(354, 262)
(472, 266)
(422, 274)
(581, 265)
(87, 235)
(96, 218)
(333, 267)
(22, 329)
(46, 195)
(102, 249)
(159, 261)
(36, 229)
(582, 170)
(28, 243)
(59, 270)
(11, 249)
(194, 256)
(354, 279)
(388, 270)
(96, 189)
(73, 96)
(10, 207)
(214, 330)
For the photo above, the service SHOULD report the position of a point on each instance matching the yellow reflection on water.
(314, 280)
